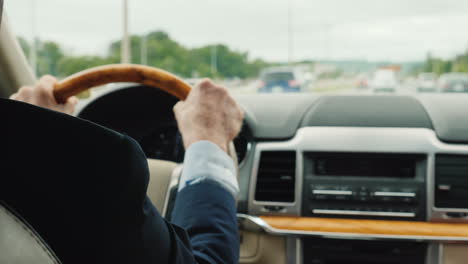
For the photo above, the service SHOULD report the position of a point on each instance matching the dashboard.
(392, 158)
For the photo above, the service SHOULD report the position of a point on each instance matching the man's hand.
(42, 95)
(209, 113)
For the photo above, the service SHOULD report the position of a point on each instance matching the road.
(342, 87)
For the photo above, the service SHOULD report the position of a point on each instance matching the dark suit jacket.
(83, 188)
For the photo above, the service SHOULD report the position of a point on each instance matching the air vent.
(451, 181)
(276, 176)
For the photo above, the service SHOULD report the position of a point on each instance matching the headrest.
(19, 243)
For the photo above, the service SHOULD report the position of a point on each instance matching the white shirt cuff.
(203, 161)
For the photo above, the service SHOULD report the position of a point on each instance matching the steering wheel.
(167, 172)
(93, 77)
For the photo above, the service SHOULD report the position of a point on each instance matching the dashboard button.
(456, 215)
(362, 195)
(342, 197)
(363, 198)
(273, 208)
(363, 189)
(407, 199)
(320, 197)
(385, 199)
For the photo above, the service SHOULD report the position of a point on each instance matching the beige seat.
(19, 243)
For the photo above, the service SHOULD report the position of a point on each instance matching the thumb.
(69, 106)
(177, 107)
(72, 100)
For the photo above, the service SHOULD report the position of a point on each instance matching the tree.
(162, 52)
(70, 65)
(440, 66)
(49, 55)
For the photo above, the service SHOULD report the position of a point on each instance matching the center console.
(324, 188)
(364, 185)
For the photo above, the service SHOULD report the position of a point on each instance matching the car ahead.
(362, 81)
(385, 80)
(426, 82)
(283, 79)
(453, 83)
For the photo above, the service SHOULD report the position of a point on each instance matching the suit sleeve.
(207, 212)
(205, 206)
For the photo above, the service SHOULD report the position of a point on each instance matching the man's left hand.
(42, 94)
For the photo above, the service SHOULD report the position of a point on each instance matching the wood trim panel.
(368, 227)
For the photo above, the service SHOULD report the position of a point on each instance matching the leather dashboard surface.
(278, 116)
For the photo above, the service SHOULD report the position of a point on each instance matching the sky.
(375, 30)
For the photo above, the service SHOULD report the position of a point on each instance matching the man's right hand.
(209, 113)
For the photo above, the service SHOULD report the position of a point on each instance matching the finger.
(25, 93)
(205, 82)
(69, 106)
(177, 107)
(236, 110)
(48, 79)
(213, 94)
(202, 87)
(47, 83)
(72, 101)
(23, 90)
(67, 109)
(14, 96)
(207, 85)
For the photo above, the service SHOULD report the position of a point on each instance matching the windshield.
(335, 46)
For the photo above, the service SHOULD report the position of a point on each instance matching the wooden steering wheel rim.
(97, 76)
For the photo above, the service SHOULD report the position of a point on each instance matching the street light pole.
(125, 47)
(144, 50)
(328, 42)
(214, 60)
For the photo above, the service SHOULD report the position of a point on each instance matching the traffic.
(327, 78)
